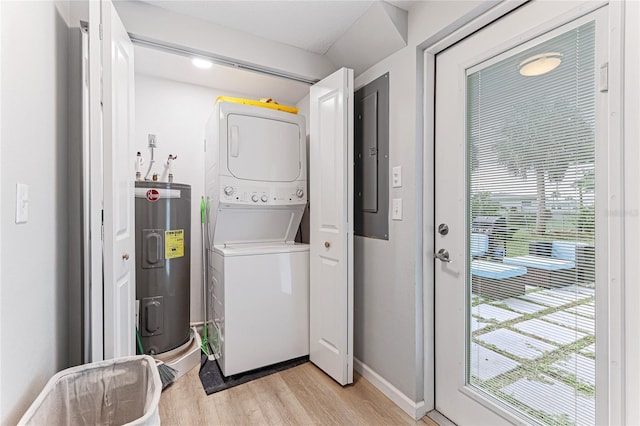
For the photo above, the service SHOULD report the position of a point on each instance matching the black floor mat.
(213, 381)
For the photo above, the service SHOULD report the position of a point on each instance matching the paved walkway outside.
(537, 352)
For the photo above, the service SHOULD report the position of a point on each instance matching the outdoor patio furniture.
(496, 279)
(545, 271)
(496, 230)
(479, 244)
(586, 263)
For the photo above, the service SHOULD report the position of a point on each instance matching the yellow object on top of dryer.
(263, 102)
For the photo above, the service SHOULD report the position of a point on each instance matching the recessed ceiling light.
(540, 64)
(201, 63)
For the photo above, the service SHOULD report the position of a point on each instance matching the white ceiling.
(233, 81)
(310, 25)
(307, 24)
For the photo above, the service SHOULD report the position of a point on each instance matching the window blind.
(531, 203)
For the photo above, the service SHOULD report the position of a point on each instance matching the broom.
(167, 373)
(205, 341)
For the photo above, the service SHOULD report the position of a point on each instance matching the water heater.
(163, 258)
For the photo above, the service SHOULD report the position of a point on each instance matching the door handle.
(235, 142)
(327, 244)
(442, 255)
(125, 256)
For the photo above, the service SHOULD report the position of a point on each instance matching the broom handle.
(204, 260)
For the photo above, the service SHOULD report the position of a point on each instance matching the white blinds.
(531, 240)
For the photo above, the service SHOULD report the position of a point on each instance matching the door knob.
(125, 256)
(443, 229)
(442, 255)
(327, 244)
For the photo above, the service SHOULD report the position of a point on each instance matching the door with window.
(521, 265)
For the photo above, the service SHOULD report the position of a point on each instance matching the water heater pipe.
(169, 169)
(139, 163)
(152, 147)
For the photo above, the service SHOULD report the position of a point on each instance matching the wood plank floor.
(302, 395)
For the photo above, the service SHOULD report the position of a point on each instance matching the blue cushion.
(540, 262)
(495, 270)
(565, 250)
(479, 244)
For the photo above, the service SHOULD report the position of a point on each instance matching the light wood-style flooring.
(301, 395)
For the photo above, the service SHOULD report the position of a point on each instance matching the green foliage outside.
(543, 137)
(483, 205)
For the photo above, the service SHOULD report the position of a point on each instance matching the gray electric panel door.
(371, 144)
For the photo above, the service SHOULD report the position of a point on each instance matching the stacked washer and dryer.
(258, 277)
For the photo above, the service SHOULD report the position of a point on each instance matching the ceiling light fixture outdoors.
(540, 64)
(201, 63)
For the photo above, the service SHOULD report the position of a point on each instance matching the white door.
(119, 176)
(331, 218)
(515, 307)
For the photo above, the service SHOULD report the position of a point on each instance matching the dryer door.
(262, 149)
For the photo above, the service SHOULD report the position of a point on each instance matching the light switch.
(22, 203)
(396, 209)
(396, 177)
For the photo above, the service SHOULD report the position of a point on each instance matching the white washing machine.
(256, 181)
(261, 299)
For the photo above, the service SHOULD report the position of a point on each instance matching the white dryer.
(256, 181)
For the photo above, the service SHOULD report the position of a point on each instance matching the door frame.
(616, 409)
(631, 131)
(94, 184)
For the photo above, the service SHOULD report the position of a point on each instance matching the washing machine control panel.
(277, 194)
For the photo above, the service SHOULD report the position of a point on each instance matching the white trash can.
(122, 391)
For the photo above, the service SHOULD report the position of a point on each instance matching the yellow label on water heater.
(173, 243)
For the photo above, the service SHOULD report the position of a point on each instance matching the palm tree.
(544, 137)
(585, 185)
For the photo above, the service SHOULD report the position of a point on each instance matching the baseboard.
(416, 410)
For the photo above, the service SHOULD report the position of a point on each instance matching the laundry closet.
(176, 113)
(245, 164)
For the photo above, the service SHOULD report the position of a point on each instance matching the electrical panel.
(371, 158)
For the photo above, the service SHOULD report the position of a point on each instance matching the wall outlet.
(396, 209)
(396, 177)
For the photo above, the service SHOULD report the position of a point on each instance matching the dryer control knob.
(254, 198)
(299, 193)
(264, 198)
(228, 190)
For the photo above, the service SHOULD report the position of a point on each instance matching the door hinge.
(603, 84)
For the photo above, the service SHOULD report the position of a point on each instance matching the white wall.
(33, 320)
(388, 322)
(177, 113)
(388, 275)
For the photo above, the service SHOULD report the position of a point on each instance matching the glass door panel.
(531, 166)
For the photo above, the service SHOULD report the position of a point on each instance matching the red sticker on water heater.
(153, 195)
